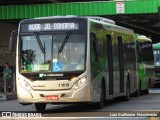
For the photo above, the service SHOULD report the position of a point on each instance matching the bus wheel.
(137, 93)
(146, 91)
(100, 104)
(40, 106)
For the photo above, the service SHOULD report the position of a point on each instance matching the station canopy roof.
(143, 16)
(25, 2)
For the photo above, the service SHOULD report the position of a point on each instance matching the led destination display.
(50, 26)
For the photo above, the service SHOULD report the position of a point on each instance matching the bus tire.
(40, 106)
(146, 91)
(100, 104)
(140, 82)
(137, 93)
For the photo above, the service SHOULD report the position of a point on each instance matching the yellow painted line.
(153, 118)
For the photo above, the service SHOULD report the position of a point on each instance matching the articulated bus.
(156, 51)
(74, 60)
(145, 63)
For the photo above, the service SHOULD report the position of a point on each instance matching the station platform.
(8, 96)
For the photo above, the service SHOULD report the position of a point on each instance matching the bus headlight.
(80, 83)
(24, 85)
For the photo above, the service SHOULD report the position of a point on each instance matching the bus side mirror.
(13, 41)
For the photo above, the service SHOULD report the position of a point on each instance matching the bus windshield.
(60, 52)
(157, 57)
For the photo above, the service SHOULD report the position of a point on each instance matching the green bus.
(145, 63)
(156, 51)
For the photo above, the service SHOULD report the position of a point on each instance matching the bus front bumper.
(60, 96)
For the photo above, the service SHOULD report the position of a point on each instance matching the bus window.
(95, 46)
(157, 57)
(42, 55)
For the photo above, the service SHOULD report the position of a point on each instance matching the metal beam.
(102, 8)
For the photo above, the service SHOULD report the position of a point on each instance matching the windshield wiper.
(40, 43)
(64, 42)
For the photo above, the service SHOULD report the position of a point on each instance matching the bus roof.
(74, 16)
(143, 37)
(112, 25)
(156, 46)
(71, 16)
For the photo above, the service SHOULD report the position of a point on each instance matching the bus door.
(121, 64)
(110, 64)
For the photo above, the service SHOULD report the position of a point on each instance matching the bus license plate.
(52, 97)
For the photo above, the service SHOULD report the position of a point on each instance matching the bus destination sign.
(52, 26)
